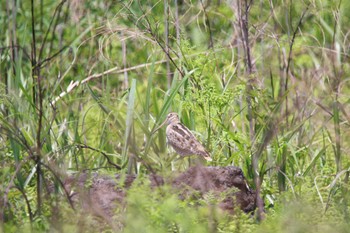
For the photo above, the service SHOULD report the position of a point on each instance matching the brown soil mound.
(229, 180)
(101, 195)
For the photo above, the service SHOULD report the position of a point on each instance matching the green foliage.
(303, 215)
(161, 210)
(84, 84)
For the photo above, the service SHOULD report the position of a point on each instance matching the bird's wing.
(184, 142)
(183, 131)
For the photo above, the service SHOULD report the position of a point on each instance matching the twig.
(38, 102)
(211, 42)
(11, 183)
(243, 17)
(290, 56)
(177, 24)
(58, 8)
(155, 37)
(114, 70)
(74, 84)
(14, 47)
(27, 203)
(61, 183)
(166, 37)
(41, 63)
(83, 146)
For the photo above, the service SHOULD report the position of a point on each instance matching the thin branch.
(155, 37)
(11, 183)
(166, 38)
(292, 42)
(38, 102)
(83, 146)
(14, 47)
(177, 24)
(290, 56)
(27, 203)
(114, 70)
(41, 63)
(61, 183)
(59, 6)
(33, 35)
(211, 41)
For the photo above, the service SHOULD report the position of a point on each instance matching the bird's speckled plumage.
(182, 139)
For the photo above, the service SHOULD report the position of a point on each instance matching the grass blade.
(129, 120)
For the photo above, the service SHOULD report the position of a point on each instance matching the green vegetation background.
(84, 83)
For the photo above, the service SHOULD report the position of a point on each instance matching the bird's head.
(172, 118)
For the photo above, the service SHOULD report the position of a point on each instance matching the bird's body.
(182, 139)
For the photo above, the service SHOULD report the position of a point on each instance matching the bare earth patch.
(101, 195)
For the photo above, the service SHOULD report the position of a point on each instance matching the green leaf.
(129, 119)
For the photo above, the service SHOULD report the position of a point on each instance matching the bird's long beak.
(161, 125)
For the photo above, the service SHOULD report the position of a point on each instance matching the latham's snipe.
(182, 139)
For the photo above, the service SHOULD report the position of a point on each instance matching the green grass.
(65, 107)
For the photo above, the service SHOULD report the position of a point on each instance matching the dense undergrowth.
(263, 84)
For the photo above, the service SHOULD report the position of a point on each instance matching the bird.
(182, 139)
